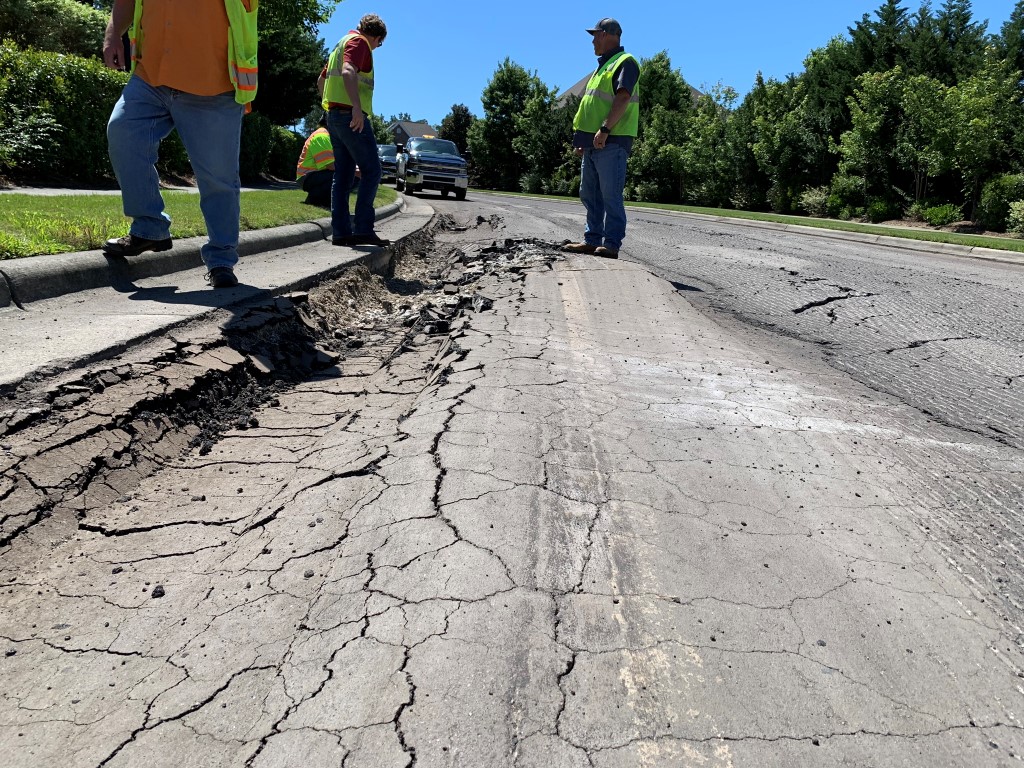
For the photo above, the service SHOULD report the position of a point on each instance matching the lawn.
(34, 224)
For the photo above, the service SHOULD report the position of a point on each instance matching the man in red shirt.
(347, 88)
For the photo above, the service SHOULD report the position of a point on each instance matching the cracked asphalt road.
(596, 525)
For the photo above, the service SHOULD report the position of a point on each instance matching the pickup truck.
(432, 164)
(388, 155)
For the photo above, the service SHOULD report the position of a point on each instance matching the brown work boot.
(579, 248)
(607, 253)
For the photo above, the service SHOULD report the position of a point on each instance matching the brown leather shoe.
(130, 245)
(579, 248)
(607, 253)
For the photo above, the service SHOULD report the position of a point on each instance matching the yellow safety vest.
(317, 153)
(334, 87)
(596, 104)
(242, 43)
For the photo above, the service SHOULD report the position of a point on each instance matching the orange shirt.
(185, 46)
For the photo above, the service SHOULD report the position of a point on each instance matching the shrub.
(881, 210)
(1015, 218)
(257, 138)
(916, 211)
(531, 182)
(996, 197)
(72, 95)
(814, 201)
(845, 193)
(285, 148)
(941, 215)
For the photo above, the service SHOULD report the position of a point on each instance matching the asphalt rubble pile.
(82, 439)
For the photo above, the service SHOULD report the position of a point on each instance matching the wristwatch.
(604, 129)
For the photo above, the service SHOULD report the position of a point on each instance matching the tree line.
(917, 115)
(906, 114)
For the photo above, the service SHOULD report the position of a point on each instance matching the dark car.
(388, 154)
(429, 163)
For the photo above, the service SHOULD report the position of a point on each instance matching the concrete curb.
(23, 281)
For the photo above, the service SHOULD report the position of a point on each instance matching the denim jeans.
(602, 180)
(352, 149)
(210, 127)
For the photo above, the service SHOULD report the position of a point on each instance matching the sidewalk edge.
(23, 281)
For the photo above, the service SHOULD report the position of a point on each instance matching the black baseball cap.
(611, 26)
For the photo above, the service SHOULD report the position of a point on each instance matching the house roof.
(412, 130)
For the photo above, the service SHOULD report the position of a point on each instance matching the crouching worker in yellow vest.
(315, 171)
(193, 66)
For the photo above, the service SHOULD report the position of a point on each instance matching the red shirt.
(357, 53)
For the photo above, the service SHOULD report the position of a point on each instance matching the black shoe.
(369, 239)
(132, 245)
(346, 240)
(222, 277)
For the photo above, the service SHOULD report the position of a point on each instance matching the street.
(739, 498)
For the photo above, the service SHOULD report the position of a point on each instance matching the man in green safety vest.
(315, 171)
(346, 85)
(193, 68)
(604, 128)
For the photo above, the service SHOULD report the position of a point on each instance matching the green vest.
(334, 87)
(317, 154)
(596, 104)
(242, 40)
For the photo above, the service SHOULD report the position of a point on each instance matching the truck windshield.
(387, 150)
(435, 145)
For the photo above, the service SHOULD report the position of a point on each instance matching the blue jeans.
(352, 149)
(210, 127)
(602, 180)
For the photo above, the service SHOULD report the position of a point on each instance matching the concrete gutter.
(23, 281)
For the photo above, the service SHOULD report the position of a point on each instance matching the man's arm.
(121, 15)
(350, 76)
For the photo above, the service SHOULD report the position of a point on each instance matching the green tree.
(868, 147)
(923, 144)
(290, 60)
(750, 182)
(1010, 42)
(783, 147)
(981, 117)
(879, 44)
(963, 42)
(455, 127)
(70, 26)
(491, 139)
(707, 177)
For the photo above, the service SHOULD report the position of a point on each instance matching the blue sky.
(444, 52)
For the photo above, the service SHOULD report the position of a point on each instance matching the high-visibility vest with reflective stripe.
(242, 44)
(596, 104)
(334, 87)
(317, 153)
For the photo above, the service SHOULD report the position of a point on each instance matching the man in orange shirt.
(180, 82)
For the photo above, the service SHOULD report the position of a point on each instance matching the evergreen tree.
(962, 43)
(1010, 42)
(880, 44)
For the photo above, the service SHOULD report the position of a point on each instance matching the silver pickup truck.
(432, 164)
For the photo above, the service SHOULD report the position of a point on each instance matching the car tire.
(460, 194)
(444, 193)
(399, 184)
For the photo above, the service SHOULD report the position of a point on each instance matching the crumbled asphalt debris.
(185, 391)
(158, 591)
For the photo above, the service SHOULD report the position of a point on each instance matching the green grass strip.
(907, 233)
(31, 225)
